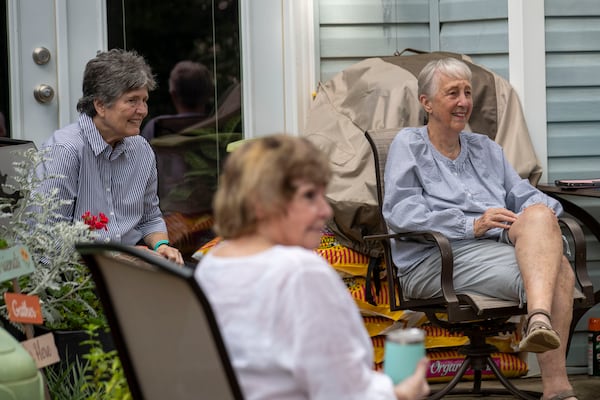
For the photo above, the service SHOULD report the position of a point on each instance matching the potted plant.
(90, 367)
(60, 279)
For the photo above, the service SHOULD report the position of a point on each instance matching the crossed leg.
(548, 280)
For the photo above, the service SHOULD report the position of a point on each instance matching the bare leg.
(553, 363)
(548, 279)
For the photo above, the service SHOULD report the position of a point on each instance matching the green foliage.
(105, 375)
(61, 281)
(75, 313)
(69, 382)
(99, 377)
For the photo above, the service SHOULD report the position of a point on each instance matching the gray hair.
(429, 76)
(109, 75)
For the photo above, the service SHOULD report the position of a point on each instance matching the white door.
(49, 42)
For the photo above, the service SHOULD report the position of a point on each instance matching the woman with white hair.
(504, 232)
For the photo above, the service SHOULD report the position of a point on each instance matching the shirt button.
(112, 213)
(108, 189)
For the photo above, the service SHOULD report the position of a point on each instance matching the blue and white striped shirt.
(119, 182)
(425, 190)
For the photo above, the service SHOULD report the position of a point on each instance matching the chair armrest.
(447, 259)
(579, 259)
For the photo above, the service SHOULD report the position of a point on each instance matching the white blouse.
(291, 328)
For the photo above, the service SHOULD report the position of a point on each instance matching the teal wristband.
(160, 243)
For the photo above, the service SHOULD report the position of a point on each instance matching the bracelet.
(160, 243)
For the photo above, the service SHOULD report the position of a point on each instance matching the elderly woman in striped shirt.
(107, 167)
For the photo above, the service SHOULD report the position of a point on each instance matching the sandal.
(540, 336)
(562, 395)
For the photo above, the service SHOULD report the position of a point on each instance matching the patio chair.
(475, 316)
(163, 326)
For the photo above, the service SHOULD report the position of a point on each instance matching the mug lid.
(409, 335)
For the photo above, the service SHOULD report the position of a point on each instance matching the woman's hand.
(493, 218)
(415, 386)
(170, 253)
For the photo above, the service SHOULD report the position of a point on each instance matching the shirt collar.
(96, 141)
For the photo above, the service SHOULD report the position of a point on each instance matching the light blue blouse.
(425, 190)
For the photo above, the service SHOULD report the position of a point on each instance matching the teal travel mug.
(404, 348)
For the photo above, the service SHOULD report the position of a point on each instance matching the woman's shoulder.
(296, 255)
(480, 141)
(141, 148)
(279, 256)
(412, 140)
(411, 134)
(286, 264)
(410, 137)
(68, 138)
(476, 137)
(299, 263)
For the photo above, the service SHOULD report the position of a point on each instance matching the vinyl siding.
(573, 115)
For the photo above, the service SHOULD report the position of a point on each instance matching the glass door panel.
(190, 149)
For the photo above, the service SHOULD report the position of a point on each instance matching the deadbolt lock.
(41, 55)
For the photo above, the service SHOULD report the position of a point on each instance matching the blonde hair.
(263, 172)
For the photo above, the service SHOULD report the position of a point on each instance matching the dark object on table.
(577, 183)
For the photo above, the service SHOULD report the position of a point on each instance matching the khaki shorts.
(483, 266)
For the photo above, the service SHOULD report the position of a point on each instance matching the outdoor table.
(583, 216)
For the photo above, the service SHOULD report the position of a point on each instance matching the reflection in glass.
(190, 145)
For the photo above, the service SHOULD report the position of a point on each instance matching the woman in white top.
(290, 325)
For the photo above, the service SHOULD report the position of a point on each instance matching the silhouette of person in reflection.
(191, 87)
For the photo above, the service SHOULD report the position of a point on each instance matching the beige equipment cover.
(381, 94)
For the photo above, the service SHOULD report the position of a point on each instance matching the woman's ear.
(425, 103)
(265, 210)
(259, 210)
(99, 106)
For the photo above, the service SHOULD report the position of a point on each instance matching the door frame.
(73, 31)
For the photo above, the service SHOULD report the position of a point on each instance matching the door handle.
(43, 93)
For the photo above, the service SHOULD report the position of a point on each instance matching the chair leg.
(477, 381)
(459, 374)
(478, 357)
(521, 394)
(478, 363)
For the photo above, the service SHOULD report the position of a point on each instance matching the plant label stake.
(14, 262)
